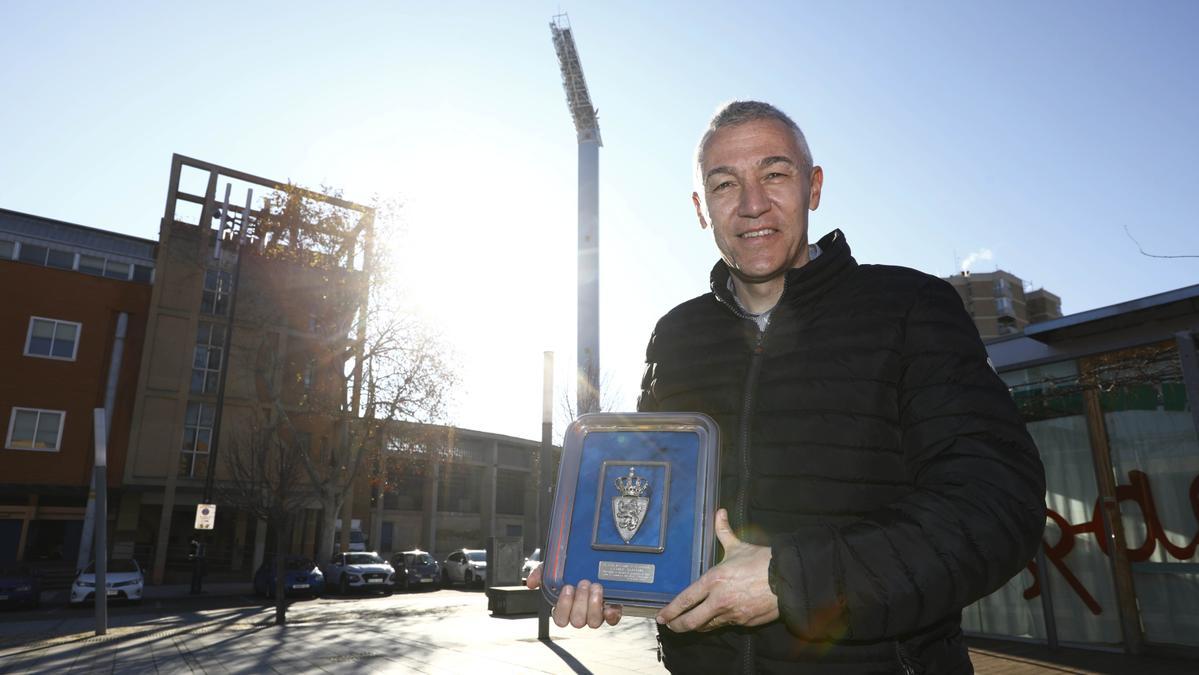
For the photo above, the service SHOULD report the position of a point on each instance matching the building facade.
(72, 327)
(1111, 397)
(456, 489)
(999, 304)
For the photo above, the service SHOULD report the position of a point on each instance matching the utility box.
(505, 557)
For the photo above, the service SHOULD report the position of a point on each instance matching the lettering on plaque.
(637, 573)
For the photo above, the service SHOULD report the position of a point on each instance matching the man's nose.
(754, 201)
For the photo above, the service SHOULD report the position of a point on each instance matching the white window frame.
(74, 350)
(12, 425)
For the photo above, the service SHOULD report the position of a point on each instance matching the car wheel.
(343, 586)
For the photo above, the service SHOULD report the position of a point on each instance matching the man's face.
(756, 198)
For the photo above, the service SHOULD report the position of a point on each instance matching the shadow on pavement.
(571, 662)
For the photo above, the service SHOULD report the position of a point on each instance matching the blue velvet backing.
(673, 567)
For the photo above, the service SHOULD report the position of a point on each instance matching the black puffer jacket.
(867, 441)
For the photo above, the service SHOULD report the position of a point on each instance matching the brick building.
(72, 326)
(999, 304)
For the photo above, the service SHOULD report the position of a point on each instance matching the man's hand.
(733, 593)
(579, 607)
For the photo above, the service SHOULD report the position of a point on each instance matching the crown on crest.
(632, 485)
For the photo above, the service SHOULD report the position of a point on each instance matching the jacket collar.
(802, 284)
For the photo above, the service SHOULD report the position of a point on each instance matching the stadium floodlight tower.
(587, 127)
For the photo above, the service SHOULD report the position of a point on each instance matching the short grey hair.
(740, 112)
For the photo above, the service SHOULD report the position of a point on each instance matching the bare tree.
(263, 468)
(366, 365)
(609, 397)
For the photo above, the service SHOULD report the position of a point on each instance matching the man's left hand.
(733, 593)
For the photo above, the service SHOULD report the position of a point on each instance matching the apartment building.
(72, 329)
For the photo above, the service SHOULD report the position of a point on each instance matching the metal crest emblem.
(628, 510)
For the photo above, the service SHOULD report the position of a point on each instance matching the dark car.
(19, 586)
(303, 577)
(415, 569)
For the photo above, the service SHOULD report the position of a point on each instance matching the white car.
(362, 571)
(124, 580)
(531, 563)
(466, 565)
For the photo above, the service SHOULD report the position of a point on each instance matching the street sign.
(205, 516)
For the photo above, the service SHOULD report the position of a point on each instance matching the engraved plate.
(632, 572)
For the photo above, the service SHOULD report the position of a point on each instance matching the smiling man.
(875, 475)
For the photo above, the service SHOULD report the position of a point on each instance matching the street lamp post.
(101, 547)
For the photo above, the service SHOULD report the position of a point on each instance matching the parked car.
(531, 563)
(415, 569)
(359, 570)
(124, 580)
(466, 565)
(302, 577)
(19, 586)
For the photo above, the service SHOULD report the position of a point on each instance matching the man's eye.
(775, 174)
(720, 187)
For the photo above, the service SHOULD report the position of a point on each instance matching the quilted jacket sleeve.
(973, 519)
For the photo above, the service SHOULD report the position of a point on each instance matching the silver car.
(360, 571)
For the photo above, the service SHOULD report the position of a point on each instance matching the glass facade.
(1148, 426)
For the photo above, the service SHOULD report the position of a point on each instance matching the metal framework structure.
(586, 117)
(586, 120)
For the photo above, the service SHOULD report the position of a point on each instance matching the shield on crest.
(628, 509)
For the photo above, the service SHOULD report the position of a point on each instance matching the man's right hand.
(579, 607)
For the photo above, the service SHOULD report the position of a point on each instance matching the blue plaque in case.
(634, 506)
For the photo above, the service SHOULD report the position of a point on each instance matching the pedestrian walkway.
(437, 632)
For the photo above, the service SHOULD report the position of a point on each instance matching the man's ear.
(815, 183)
(699, 210)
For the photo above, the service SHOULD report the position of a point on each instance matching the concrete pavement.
(447, 631)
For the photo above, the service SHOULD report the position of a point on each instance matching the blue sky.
(1034, 130)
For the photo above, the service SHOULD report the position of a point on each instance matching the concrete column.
(125, 533)
(487, 492)
(297, 531)
(1190, 372)
(309, 546)
(428, 533)
(164, 529)
(239, 541)
(259, 543)
(30, 515)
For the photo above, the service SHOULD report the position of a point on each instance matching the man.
(876, 477)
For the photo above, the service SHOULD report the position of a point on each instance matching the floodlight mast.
(586, 120)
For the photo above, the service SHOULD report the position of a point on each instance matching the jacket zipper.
(751, 385)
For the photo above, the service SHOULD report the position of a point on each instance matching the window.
(309, 372)
(1004, 306)
(52, 339)
(116, 270)
(6, 250)
(33, 254)
(1002, 287)
(33, 429)
(143, 274)
(206, 363)
(90, 264)
(63, 260)
(215, 299)
(197, 434)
